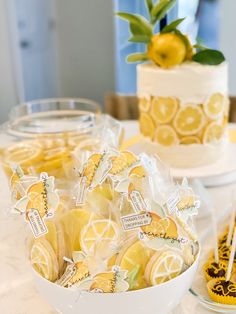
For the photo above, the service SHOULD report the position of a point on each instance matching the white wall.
(85, 48)
(228, 39)
(8, 96)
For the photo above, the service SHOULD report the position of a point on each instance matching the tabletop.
(18, 294)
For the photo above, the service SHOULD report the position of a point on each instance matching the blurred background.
(77, 48)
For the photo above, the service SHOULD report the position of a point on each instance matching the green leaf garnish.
(209, 56)
(138, 35)
(137, 57)
(172, 26)
(132, 276)
(138, 24)
(139, 39)
(149, 5)
(160, 9)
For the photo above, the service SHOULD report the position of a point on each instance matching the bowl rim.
(195, 263)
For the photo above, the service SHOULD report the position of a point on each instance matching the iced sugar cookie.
(163, 267)
(44, 260)
(100, 237)
(73, 222)
(135, 254)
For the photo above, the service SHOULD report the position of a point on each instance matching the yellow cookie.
(134, 254)
(163, 267)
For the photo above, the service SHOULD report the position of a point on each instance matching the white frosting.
(184, 156)
(191, 82)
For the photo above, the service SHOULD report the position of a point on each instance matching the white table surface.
(17, 292)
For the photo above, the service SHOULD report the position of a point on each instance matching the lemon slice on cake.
(165, 135)
(188, 140)
(214, 132)
(147, 125)
(214, 107)
(144, 104)
(163, 109)
(189, 120)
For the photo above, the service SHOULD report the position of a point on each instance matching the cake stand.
(218, 173)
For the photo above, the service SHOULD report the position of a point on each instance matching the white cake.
(184, 111)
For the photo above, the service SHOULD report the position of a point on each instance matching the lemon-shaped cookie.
(55, 237)
(213, 133)
(165, 135)
(163, 267)
(44, 260)
(134, 254)
(73, 222)
(189, 120)
(100, 237)
(146, 125)
(163, 109)
(214, 106)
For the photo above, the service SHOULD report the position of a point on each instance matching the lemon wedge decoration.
(213, 133)
(163, 109)
(163, 267)
(133, 254)
(100, 237)
(110, 282)
(44, 260)
(138, 172)
(189, 120)
(121, 162)
(81, 273)
(165, 135)
(147, 125)
(214, 107)
(160, 227)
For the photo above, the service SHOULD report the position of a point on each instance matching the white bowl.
(157, 299)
